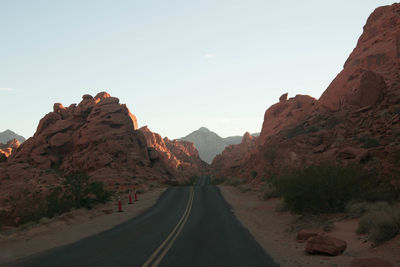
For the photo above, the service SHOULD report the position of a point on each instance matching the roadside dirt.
(273, 231)
(26, 240)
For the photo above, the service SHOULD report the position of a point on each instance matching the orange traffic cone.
(119, 204)
(135, 196)
(130, 197)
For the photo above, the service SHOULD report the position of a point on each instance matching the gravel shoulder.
(16, 243)
(273, 231)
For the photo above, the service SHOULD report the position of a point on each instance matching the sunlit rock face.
(8, 148)
(372, 69)
(98, 136)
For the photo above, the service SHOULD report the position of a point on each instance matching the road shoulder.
(272, 230)
(70, 227)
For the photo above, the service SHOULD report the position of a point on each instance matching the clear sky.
(178, 65)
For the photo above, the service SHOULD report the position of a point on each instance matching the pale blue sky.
(178, 65)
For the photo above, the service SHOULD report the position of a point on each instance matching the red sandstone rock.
(98, 136)
(283, 97)
(370, 262)
(7, 149)
(356, 120)
(372, 65)
(325, 245)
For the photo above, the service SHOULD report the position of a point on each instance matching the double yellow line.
(156, 257)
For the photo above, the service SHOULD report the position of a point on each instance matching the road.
(188, 226)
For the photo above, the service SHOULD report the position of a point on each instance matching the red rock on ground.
(370, 262)
(325, 245)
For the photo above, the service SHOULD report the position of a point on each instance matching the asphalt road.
(188, 226)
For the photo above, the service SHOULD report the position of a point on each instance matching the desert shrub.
(356, 209)
(253, 174)
(368, 141)
(381, 224)
(269, 190)
(270, 154)
(235, 181)
(77, 191)
(218, 180)
(281, 206)
(244, 188)
(323, 188)
(191, 181)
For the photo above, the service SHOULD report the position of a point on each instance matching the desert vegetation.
(77, 190)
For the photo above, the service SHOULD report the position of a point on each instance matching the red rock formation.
(7, 149)
(98, 136)
(286, 113)
(374, 61)
(233, 156)
(175, 156)
(357, 119)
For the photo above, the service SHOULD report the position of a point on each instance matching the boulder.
(324, 244)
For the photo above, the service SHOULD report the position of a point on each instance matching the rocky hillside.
(210, 144)
(8, 135)
(357, 118)
(172, 156)
(100, 137)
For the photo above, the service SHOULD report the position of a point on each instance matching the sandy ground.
(272, 229)
(70, 227)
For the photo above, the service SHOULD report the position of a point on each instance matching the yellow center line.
(183, 219)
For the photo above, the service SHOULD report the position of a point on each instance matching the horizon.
(178, 66)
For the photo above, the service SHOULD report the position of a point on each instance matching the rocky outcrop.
(174, 156)
(98, 136)
(371, 71)
(234, 155)
(356, 120)
(7, 149)
(286, 113)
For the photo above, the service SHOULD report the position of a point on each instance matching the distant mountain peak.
(203, 129)
(8, 135)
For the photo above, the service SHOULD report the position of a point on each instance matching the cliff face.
(357, 118)
(372, 69)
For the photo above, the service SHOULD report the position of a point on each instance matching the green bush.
(244, 188)
(191, 181)
(235, 181)
(77, 191)
(218, 180)
(269, 190)
(356, 209)
(253, 174)
(381, 224)
(323, 188)
(368, 141)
